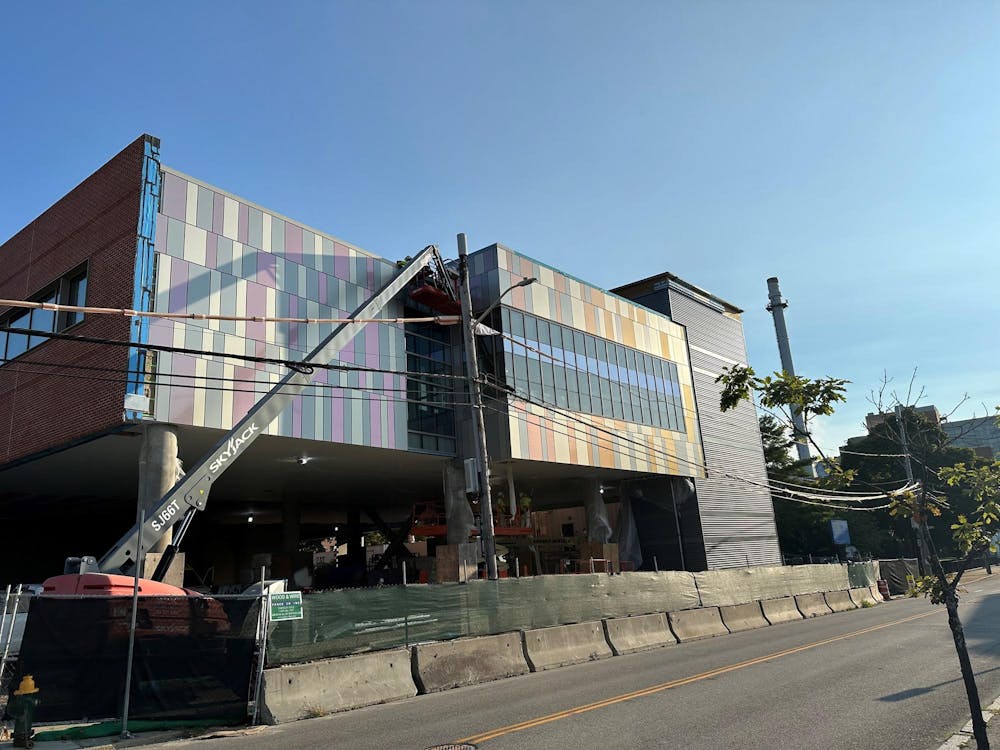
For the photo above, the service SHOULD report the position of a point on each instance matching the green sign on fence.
(287, 606)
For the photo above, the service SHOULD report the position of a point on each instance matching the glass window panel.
(580, 347)
(77, 296)
(633, 376)
(627, 411)
(520, 369)
(516, 324)
(531, 330)
(534, 371)
(3, 344)
(573, 402)
(591, 355)
(602, 359)
(595, 394)
(17, 343)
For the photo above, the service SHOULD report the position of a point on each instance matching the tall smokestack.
(776, 305)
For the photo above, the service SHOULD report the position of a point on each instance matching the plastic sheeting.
(193, 657)
(339, 623)
(897, 572)
(719, 588)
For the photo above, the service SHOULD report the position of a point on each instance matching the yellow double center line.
(537, 722)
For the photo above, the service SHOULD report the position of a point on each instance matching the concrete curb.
(964, 738)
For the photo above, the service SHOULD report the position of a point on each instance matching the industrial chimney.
(776, 305)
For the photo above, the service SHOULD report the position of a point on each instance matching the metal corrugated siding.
(737, 518)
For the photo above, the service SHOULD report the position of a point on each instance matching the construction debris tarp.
(193, 657)
(337, 623)
(898, 574)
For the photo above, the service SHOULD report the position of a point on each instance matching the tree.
(972, 532)
(802, 529)
(877, 460)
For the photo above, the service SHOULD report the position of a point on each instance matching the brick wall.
(42, 406)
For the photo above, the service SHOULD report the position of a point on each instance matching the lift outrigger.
(115, 573)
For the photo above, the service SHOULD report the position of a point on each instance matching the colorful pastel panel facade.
(218, 254)
(630, 404)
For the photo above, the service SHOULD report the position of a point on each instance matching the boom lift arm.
(190, 495)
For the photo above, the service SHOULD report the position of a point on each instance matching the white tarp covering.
(719, 588)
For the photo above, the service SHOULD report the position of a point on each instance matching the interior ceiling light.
(250, 518)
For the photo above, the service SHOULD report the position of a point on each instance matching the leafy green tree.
(877, 461)
(972, 532)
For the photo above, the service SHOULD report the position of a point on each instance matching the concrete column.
(458, 515)
(598, 526)
(159, 470)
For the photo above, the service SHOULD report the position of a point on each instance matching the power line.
(290, 363)
(129, 313)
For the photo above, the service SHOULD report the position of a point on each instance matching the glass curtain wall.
(563, 367)
(430, 407)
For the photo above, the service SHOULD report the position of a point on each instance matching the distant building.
(982, 435)
(930, 413)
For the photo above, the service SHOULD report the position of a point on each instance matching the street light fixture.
(472, 374)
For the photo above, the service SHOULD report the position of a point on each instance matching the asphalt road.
(885, 677)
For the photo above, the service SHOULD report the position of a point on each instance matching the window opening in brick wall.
(71, 289)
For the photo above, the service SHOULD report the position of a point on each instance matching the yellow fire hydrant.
(22, 709)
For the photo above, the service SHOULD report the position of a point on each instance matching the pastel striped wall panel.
(538, 433)
(220, 255)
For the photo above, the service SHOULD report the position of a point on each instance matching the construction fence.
(351, 621)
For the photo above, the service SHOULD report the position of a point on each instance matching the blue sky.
(850, 148)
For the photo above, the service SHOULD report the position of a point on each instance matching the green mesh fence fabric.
(338, 623)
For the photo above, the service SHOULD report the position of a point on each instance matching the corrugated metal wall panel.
(737, 517)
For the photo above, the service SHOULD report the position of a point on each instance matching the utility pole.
(476, 394)
(776, 305)
(915, 521)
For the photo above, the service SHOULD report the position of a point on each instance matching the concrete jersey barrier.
(694, 624)
(840, 601)
(547, 648)
(298, 691)
(467, 661)
(780, 610)
(739, 617)
(862, 596)
(812, 605)
(630, 634)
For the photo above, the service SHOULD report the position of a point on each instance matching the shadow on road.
(903, 695)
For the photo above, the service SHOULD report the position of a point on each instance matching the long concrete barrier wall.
(780, 610)
(623, 614)
(547, 648)
(298, 691)
(626, 635)
(737, 617)
(695, 624)
(467, 661)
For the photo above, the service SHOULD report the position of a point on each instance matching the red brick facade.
(43, 407)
